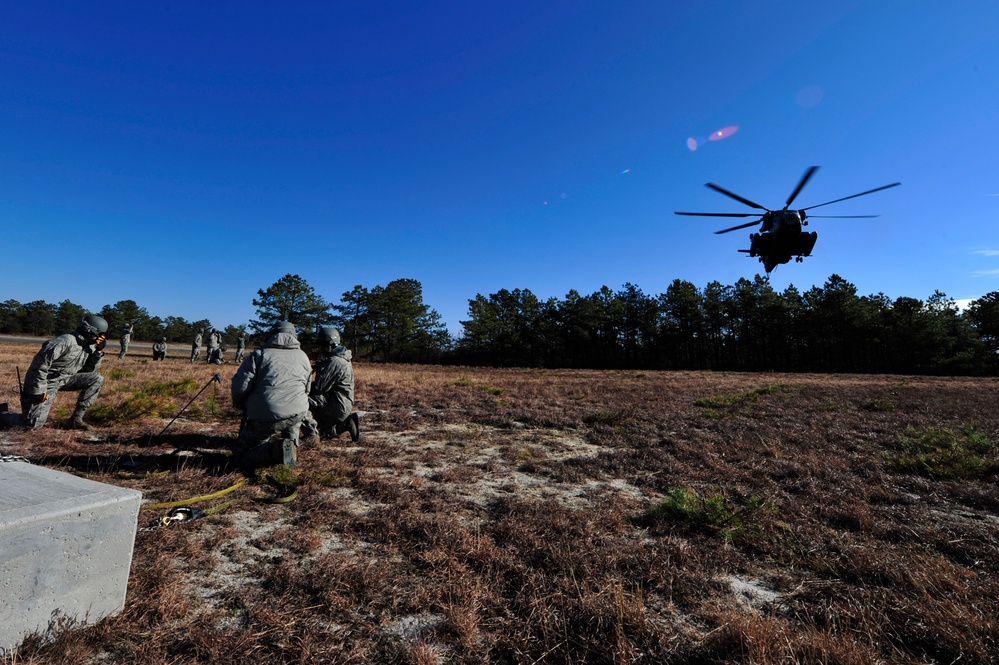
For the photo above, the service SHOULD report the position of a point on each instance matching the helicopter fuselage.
(780, 238)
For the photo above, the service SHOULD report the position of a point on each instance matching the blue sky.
(186, 154)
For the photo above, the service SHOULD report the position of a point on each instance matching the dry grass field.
(529, 516)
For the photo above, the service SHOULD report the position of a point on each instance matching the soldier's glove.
(97, 354)
(38, 399)
(102, 341)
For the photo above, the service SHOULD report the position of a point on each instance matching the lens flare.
(724, 133)
(692, 144)
(809, 96)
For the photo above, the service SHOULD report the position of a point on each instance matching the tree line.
(388, 323)
(747, 326)
(41, 319)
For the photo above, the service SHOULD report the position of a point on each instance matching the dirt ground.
(532, 516)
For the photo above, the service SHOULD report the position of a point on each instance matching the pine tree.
(290, 299)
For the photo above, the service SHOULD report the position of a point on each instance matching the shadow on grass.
(212, 454)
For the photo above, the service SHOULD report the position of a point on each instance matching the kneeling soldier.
(67, 362)
(272, 388)
(331, 399)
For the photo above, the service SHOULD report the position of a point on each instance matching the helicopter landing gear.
(798, 259)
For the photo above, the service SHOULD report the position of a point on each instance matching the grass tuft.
(712, 513)
(280, 475)
(944, 453)
(614, 418)
(179, 388)
(737, 398)
(137, 405)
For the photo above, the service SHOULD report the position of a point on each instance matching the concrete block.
(65, 549)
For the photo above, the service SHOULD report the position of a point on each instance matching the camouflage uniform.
(126, 337)
(196, 348)
(160, 348)
(240, 347)
(215, 348)
(67, 362)
(331, 399)
(272, 387)
(332, 396)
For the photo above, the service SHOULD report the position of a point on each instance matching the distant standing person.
(271, 387)
(160, 349)
(196, 347)
(240, 346)
(331, 399)
(67, 362)
(126, 337)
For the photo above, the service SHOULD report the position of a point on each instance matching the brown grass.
(503, 516)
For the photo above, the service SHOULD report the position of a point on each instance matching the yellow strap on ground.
(288, 498)
(214, 510)
(193, 500)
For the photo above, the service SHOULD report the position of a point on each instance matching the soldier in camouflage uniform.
(272, 388)
(240, 346)
(196, 348)
(126, 337)
(215, 347)
(67, 362)
(331, 399)
(160, 349)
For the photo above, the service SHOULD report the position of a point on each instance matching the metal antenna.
(214, 379)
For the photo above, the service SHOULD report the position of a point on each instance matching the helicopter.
(780, 236)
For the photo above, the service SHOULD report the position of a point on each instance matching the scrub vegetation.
(551, 516)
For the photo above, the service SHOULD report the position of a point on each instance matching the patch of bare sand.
(481, 464)
(473, 464)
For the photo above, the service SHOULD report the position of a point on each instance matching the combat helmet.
(328, 337)
(93, 326)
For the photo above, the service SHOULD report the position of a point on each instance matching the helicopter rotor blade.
(718, 214)
(801, 185)
(738, 198)
(870, 191)
(741, 226)
(842, 216)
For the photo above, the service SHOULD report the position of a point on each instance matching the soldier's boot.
(309, 438)
(353, 425)
(269, 453)
(77, 421)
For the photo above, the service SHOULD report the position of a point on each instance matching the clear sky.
(184, 154)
